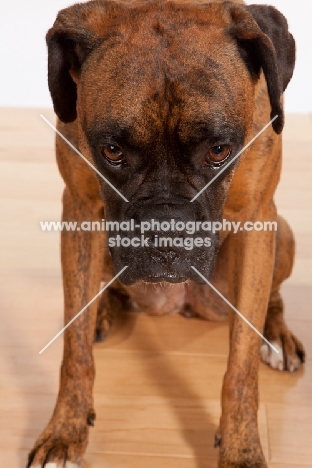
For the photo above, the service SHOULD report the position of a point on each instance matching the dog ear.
(72, 38)
(262, 34)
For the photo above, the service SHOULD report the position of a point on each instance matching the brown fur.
(250, 266)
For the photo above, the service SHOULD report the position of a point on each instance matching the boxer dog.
(159, 96)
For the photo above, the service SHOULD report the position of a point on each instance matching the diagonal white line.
(82, 310)
(235, 310)
(83, 157)
(232, 160)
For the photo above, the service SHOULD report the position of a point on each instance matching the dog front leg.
(64, 440)
(251, 259)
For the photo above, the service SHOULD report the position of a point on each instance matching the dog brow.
(193, 132)
(109, 130)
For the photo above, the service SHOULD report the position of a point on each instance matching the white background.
(23, 76)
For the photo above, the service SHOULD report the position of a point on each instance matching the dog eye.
(218, 154)
(113, 153)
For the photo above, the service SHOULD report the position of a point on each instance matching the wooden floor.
(158, 379)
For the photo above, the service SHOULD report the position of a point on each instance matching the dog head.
(164, 96)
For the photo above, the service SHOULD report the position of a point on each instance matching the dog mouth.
(164, 254)
(166, 277)
(174, 276)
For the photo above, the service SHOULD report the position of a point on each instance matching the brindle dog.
(159, 96)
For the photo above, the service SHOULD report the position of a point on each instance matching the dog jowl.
(160, 97)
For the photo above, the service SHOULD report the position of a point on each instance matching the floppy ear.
(72, 38)
(262, 34)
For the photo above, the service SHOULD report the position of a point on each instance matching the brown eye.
(113, 153)
(218, 154)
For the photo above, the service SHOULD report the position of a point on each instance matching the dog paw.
(290, 353)
(61, 445)
(242, 460)
(238, 442)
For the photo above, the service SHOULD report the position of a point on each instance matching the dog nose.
(161, 210)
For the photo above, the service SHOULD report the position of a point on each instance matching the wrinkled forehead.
(153, 80)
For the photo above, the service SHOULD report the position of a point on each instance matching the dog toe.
(60, 446)
(42, 460)
(275, 359)
(53, 465)
(290, 354)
